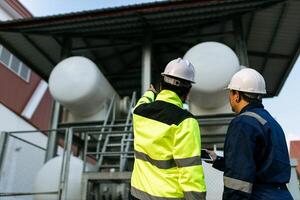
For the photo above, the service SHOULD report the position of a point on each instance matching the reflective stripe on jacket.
(167, 150)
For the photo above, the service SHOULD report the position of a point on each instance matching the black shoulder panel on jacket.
(163, 112)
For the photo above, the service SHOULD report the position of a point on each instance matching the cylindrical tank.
(215, 64)
(47, 179)
(77, 84)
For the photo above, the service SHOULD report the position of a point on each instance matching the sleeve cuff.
(150, 95)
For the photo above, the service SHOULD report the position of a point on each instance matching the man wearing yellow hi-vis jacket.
(167, 142)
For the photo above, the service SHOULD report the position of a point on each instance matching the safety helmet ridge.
(180, 68)
(248, 80)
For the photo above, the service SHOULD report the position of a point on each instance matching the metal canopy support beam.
(146, 64)
(124, 51)
(193, 37)
(249, 26)
(24, 59)
(174, 48)
(52, 136)
(33, 43)
(270, 55)
(222, 30)
(118, 54)
(125, 76)
(66, 47)
(274, 34)
(57, 40)
(240, 43)
(158, 67)
(98, 63)
(97, 47)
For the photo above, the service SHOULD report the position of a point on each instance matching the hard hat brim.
(252, 92)
(164, 74)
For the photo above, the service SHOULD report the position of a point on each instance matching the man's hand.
(212, 154)
(151, 88)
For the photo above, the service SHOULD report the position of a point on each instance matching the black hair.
(179, 90)
(250, 97)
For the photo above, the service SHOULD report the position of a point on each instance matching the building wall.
(41, 117)
(16, 91)
(25, 104)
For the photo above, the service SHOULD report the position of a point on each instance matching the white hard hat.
(248, 80)
(180, 68)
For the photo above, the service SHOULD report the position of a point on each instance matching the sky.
(51, 7)
(285, 107)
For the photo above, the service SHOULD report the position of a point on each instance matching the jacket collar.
(170, 97)
(251, 106)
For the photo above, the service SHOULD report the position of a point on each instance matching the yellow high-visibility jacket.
(167, 150)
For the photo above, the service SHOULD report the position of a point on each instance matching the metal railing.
(126, 142)
(111, 111)
(4, 139)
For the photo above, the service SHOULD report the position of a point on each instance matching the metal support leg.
(64, 176)
(84, 187)
(240, 43)
(146, 65)
(126, 141)
(52, 136)
(3, 141)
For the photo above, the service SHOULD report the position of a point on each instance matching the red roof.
(19, 8)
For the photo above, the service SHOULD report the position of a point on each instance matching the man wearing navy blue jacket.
(256, 162)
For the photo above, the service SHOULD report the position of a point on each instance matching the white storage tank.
(79, 86)
(215, 64)
(48, 177)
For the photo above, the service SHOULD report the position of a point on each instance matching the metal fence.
(22, 154)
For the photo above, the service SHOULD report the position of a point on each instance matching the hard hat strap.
(251, 97)
(176, 82)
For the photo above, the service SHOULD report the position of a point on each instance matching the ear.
(188, 92)
(238, 97)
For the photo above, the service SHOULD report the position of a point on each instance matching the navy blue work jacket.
(256, 161)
